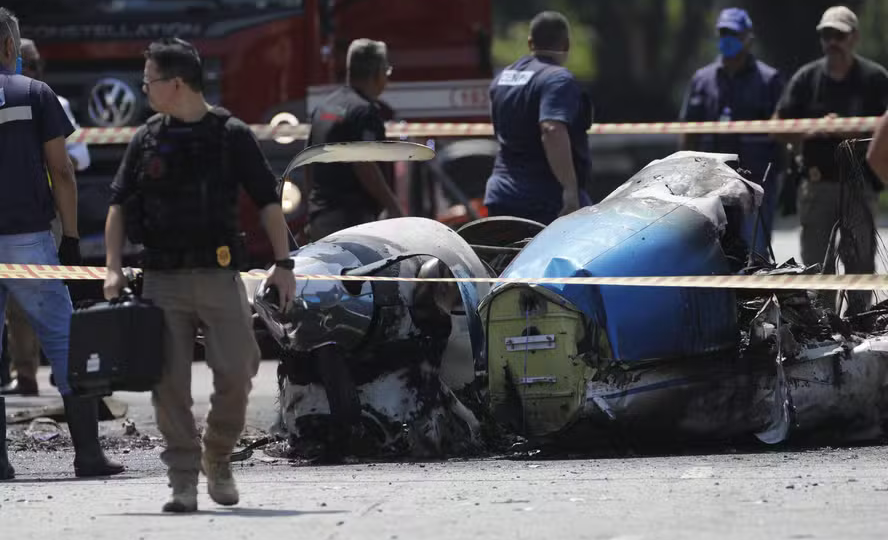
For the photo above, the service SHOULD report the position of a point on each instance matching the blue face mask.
(730, 46)
(18, 65)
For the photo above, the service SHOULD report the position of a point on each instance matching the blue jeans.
(46, 302)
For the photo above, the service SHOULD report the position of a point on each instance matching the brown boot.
(184, 497)
(220, 482)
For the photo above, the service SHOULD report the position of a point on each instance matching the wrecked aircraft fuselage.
(581, 364)
(372, 367)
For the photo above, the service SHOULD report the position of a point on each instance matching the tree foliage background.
(636, 56)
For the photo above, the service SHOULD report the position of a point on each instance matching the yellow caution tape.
(122, 135)
(862, 282)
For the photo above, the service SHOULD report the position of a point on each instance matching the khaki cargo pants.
(820, 206)
(216, 301)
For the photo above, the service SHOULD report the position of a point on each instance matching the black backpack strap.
(155, 124)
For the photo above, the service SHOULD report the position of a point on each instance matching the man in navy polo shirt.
(540, 116)
(737, 86)
(33, 129)
(22, 346)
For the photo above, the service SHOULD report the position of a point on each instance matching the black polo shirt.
(30, 115)
(813, 94)
(344, 116)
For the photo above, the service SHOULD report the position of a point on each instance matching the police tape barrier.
(122, 135)
(862, 282)
(45, 271)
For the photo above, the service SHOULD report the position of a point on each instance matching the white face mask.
(559, 56)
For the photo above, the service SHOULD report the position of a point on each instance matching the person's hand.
(570, 203)
(285, 283)
(69, 251)
(115, 281)
(819, 131)
(395, 212)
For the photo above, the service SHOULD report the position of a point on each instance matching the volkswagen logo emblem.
(112, 103)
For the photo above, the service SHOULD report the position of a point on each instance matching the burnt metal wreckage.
(375, 367)
(378, 369)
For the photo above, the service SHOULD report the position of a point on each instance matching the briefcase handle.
(126, 295)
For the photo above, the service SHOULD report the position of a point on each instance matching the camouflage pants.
(821, 205)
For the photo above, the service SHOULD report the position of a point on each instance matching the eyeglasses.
(831, 34)
(147, 84)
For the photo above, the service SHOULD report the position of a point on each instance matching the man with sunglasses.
(342, 195)
(737, 86)
(840, 84)
(23, 346)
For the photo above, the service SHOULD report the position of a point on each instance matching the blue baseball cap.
(735, 19)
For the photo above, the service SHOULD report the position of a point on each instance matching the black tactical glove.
(69, 251)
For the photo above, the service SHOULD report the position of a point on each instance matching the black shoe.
(83, 423)
(20, 387)
(6, 470)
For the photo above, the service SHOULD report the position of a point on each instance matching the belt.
(165, 259)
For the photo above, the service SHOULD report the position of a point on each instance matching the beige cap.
(839, 17)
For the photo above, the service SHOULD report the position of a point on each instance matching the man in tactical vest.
(540, 116)
(176, 193)
(33, 129)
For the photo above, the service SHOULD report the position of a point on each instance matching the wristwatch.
(289, 264)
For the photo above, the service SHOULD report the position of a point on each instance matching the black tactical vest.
(185, 213)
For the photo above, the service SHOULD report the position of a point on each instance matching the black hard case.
(116, 346)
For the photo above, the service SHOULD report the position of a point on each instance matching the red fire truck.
(268, 61)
